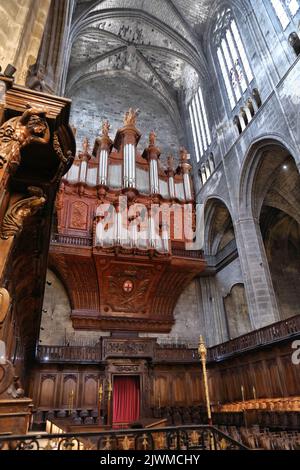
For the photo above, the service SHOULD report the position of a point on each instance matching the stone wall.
(22, 25)
(110, 98)
(56, 324)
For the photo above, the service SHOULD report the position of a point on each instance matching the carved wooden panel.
(47, 391)
(69, 388)
(275, 384)
(90, 393)
(161, 391)
(79, 215)
(179, 390)
(196, 389)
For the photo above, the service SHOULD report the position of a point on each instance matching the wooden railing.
(268, 335)
(168, 354)
(265, 336)
(58, 239)
(69, 354)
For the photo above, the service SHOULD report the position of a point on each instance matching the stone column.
(54, 55)
(21, 30)
(263, 308)
(212, 314)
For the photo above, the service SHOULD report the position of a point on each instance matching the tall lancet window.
(199, 123)
(285, 10)
(233, 60)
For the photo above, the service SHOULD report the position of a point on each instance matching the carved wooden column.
(152, 154)
(36, 148)
(102, 148)
(127, 139)
(84, 157)
(185, 170)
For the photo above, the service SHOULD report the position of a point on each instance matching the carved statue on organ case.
(105, 128)
(130, 117)
(18, 132)
(152, 138)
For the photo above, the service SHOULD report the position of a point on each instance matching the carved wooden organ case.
(120, 242)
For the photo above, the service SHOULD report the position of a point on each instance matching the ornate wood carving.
(4, 304)
(79, 215)
(124, 348)
(21, 131)
(117, 299)
(115, 286)
(130, 117)
(19, 212)
(31, 161)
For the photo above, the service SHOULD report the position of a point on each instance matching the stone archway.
(269, 215)
(280, 227)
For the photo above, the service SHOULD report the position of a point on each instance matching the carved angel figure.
(184, 154)
(105, 128)
(21, 131)
(130, 117)
(17, 214)
(152, 138)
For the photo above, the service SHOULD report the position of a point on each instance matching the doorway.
(126, 399)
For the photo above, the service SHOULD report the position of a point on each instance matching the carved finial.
(130, 117)
(105, 128)
(152, 138)
(184, 156)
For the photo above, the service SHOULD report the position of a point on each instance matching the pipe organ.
(127, 212)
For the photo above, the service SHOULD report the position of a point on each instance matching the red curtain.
(126, 399)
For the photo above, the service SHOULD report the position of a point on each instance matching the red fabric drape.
(126, 399)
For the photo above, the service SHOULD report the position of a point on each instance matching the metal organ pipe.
(154, 181)
(83, 171)
(129, 166)
(103, 167)
(187, 186)
(172, 187)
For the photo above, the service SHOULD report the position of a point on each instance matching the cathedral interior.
(150, 224)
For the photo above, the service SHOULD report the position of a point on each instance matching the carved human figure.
(21, 131)
(105, 128)
(130, 117)
(152, 138)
